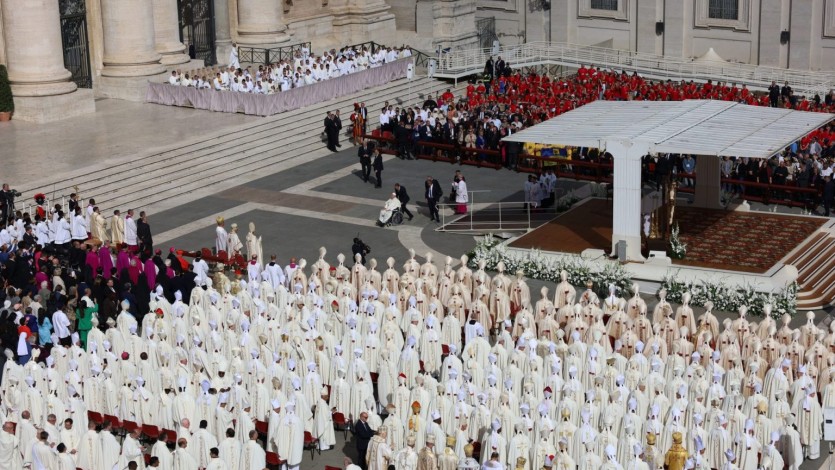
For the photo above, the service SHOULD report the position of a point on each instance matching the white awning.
(709, 56)
(699, 127)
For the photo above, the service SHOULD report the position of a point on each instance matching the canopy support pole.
(626, 212)
(708, 182)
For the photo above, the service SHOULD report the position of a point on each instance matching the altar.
(723, 243)
(630, 130)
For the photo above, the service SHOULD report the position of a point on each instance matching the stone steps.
(230, 157)
(815, 263)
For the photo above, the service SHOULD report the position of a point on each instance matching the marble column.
(41, 84)
(364, 20)
(260, 23)
(167, 34)
(626, 212)
(708, 182)
(32, 29)
(454, 24)
(129, 39)
(223, 37)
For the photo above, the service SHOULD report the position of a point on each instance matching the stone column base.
(222, 51)
(192, 64)
(42, 109)
(174, 59)
(125, 88)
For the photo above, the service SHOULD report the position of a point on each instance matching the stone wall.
(687, 30)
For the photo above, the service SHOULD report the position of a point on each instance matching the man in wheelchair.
(390, 213)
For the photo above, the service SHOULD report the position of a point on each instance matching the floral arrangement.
(537, 266)
(729, 299)
(579, 270)
(678, 250)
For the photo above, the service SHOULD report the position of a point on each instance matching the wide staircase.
(185, 171)
(815, 263)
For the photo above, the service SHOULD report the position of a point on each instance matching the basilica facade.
(61, 54)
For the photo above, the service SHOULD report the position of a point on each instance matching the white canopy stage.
(629, 130)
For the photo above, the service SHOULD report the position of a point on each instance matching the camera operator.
(7, 201)
(360, 248)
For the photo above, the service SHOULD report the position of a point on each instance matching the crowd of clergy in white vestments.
(446, 367)
(302, 69)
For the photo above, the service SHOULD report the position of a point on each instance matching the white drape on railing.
(267, 105)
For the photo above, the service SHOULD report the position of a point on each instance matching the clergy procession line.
(429, 366)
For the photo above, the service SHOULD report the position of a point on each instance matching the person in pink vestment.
(105, 261)
(122, 259)
(151, 273)
(92, 261)
(40, 278)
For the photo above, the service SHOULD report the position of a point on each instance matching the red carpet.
(742, 241)
(718, 239)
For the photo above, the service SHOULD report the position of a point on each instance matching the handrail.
(421, 58)
(465, 62)
(503, 219)
(265, 56)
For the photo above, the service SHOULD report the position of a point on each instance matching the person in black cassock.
(143, 233)
(403, 197)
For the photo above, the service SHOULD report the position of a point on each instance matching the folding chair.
(341, 424)
(311, 443)
(274, 462)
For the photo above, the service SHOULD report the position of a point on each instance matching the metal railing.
(256, 55)
(421, 58)
(456, 64)
(486, 216)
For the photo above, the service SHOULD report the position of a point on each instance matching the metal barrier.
(421, 58)
(458, 64)
(487, 216)
(256, 55)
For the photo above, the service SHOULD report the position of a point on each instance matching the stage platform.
(749, 242)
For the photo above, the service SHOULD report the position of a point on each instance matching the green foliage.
(721, 295)
(6, 100)
(537, 266)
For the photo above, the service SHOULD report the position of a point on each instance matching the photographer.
(7, 201)
(360, 248)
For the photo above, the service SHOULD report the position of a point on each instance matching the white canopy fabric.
(709, 56)
(699, 127)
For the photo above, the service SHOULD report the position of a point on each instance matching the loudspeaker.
(784, 37)
(659, 28)
(620, 249)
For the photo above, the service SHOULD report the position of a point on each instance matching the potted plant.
(6, 100)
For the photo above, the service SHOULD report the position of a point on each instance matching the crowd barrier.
(595, 172)
(267, 105)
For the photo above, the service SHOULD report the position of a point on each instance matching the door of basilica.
(197, 28)
(74, 41)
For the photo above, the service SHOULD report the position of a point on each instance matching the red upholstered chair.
(340, 423)
(328, 467)
(114, 421)
(445, 350)
(274, 462)
(311, 443)
(129, 426)
(150, 431)
(95, 417)
(263, 429)
(163, 435)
